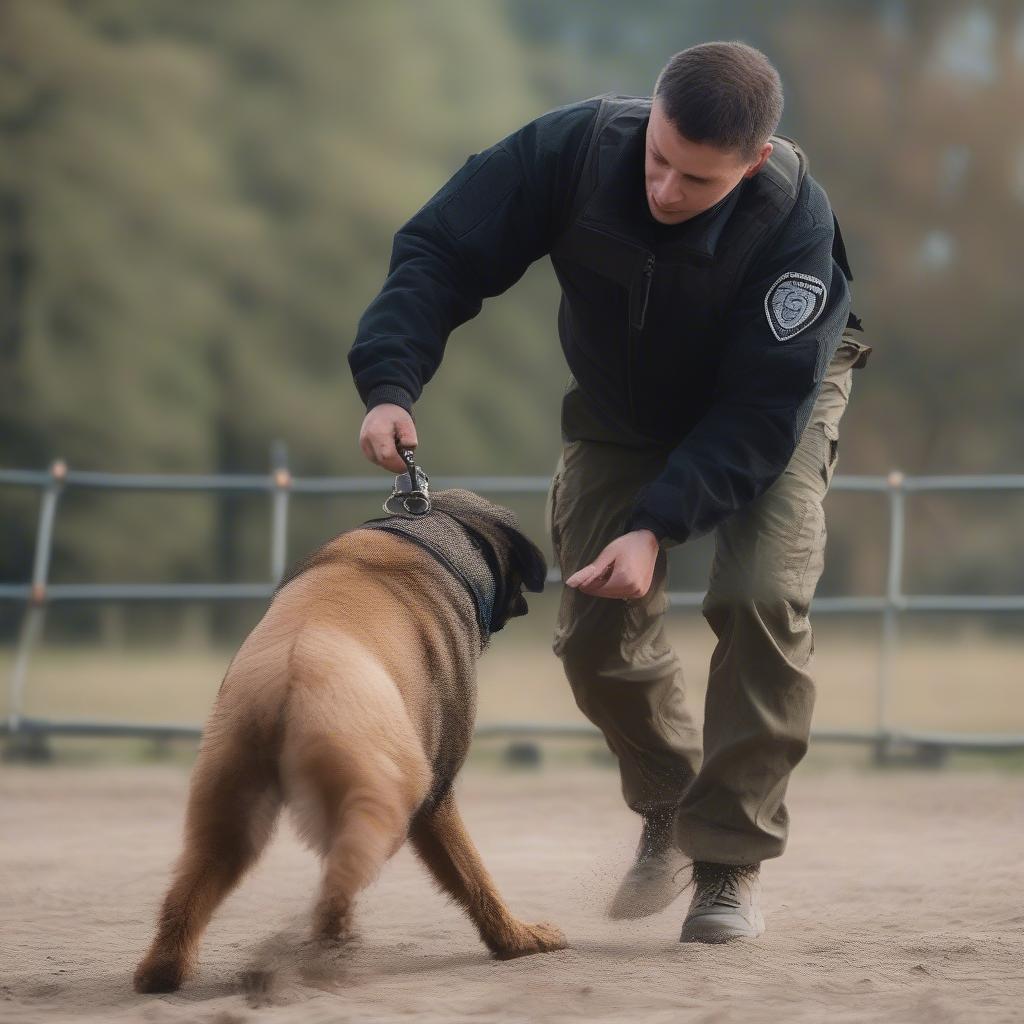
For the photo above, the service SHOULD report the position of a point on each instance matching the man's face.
(684, 178)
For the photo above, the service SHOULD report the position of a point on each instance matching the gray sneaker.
(725, 905)
(657, 876)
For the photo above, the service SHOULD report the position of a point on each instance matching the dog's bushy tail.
(233, 805)
(353, 769)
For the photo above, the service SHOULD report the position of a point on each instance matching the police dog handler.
(705, 316)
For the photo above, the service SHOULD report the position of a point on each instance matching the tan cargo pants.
(727, 790)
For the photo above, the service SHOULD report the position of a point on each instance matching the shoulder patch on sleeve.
(794, 302)
(480, 194)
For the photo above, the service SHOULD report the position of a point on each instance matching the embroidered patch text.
(794, 302)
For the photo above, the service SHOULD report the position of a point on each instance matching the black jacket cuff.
(643, 521)
(390, 394)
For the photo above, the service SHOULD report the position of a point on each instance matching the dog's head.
(517, 561)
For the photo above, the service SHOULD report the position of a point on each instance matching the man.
(705, 316)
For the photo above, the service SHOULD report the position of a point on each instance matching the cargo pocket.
(830, 456)
(549, 507)
(806, 483)
(852, 353)
(806, 559)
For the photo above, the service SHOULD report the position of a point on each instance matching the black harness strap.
(461, 551)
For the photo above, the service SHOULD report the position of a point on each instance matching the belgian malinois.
(352, 702)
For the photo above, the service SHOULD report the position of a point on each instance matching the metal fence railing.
(280, 485)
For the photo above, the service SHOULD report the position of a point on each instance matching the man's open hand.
(385, 429)
(624, 568)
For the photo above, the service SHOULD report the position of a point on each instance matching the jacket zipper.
(648, 274)
(635, 329)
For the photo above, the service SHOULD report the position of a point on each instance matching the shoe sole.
(636, 899)
(717, 930)
(625, 908)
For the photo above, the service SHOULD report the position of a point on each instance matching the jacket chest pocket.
(616, 260)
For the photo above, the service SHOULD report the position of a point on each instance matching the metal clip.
(412, 489)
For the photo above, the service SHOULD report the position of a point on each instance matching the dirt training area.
(899, 899)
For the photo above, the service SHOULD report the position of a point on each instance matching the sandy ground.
(899, 900)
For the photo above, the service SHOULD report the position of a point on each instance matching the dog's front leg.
(441, 840)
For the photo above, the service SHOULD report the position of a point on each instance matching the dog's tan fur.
(351, 702)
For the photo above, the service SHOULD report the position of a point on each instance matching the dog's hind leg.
(232, 807)
(441, 840)
(357, 813)
(352, 767)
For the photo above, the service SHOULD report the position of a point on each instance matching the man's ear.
(766, 151)
(528, 560)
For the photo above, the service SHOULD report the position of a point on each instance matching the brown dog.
(352, 701)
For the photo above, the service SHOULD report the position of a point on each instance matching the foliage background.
(197, 203)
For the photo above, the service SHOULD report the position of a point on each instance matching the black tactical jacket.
(677, 335)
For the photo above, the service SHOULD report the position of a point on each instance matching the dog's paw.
(533, 938)
(159, 974)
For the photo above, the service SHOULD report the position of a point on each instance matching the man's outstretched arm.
(472, 240)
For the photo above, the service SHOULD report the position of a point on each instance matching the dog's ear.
(517, 606)
(526, 567)
(528, 560)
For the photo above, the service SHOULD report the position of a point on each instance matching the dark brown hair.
(726, 94)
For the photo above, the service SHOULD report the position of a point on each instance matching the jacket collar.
(619, 206)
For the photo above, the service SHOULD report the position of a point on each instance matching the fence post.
(279, 510)
(890, 617)
(33, 746)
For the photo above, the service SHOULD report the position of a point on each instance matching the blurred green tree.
(197, 203)
(200, 204)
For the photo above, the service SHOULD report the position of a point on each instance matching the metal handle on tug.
(411, 492)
